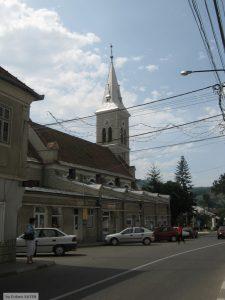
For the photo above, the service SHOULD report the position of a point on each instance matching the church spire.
(112, 98)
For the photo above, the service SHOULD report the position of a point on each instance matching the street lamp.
(187, 72)
(217, 88)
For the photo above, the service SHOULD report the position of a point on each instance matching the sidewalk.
(93, 244)
(20, 266)
(204, 232)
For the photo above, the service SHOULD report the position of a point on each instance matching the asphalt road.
(194, 270)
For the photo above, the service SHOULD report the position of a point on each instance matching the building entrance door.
(105, 223)
(76, 222)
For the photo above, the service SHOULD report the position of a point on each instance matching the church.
(84, 188)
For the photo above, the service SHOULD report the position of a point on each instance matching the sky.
(61, 49)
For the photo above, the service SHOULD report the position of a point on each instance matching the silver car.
(131, 235)
(49, 240)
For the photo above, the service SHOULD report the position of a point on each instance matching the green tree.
(183, 175)
(207, 201)
(219, 185)
(154, 180)
(177, 203)
(183, 179)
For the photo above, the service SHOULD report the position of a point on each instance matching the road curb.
(24, 269)
(90, 245)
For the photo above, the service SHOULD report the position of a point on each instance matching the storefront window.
(149, 222)
(76, 218)
(90, 219)
(105, 222)
(39, 214)
(56, 217)
(2, 219)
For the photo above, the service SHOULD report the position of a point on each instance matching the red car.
(166, 233)
(221, 232)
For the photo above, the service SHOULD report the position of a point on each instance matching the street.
(194, 270)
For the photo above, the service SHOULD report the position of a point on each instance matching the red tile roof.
(5, 75)
(81, 152)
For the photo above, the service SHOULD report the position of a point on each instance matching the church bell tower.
(112, 126)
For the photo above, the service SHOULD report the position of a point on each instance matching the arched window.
(109, 134)
(103, 135)
(125, 137)
(121, 135)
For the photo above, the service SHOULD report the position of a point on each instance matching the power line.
(177, 144)
(207, 170)
(198, 20)
(219, 22)
(223, 8)
(214, 34)
(193, 147)
(126, 108)
(175, 126)
(152, 111)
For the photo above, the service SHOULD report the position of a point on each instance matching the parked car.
(131, 235)
(49, 240)
(168, 233)
(165, 233)
(185, 233)
(193, 233)
(221, 232)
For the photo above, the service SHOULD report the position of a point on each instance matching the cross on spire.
(111, 56)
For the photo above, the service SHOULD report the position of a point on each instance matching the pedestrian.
(29, 236)
(180, 236)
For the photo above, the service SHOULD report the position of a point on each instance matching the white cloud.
(166, 58)
(201, 55)
(120, 61)
(129, 98)
(37, 48)
(152, 68)
(142, 89)
(154, 95)
(137, 58)
(211, 111)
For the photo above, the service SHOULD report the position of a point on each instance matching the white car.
(131, 235)
(49, 240)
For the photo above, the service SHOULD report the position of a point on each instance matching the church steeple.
(112, 96)
(113, 118)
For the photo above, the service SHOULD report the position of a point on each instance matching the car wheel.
(59, 251)
(114, 242)
(146, 241)
(173, 239)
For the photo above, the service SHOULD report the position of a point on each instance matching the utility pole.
(219, 90)
(219, 22)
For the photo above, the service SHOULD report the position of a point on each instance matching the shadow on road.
(61, 279)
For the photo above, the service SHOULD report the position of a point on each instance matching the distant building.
(15, 100)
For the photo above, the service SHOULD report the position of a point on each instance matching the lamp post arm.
(187, 72)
